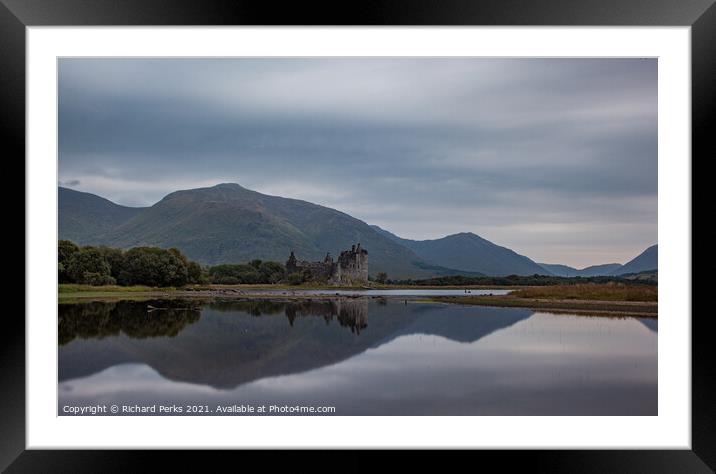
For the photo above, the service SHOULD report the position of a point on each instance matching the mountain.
(567, 271)
(647, 260)
(559, 270)
(83, 217)
(469, 252)
(227, 223)
(600, 270)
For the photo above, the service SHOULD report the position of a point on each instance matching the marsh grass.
(591, 292)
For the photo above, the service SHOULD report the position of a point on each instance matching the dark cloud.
(556, 158)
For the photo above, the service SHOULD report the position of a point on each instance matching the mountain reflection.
(228, 343)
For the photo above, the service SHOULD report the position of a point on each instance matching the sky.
(553, 158)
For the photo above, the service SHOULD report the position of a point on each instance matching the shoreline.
(587, 307)
(642, 309)
(67, 291)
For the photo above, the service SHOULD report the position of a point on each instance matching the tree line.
(153, 266)
(519, 280)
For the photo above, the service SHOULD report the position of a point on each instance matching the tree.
(195, 274)
(153, 266)
(88, 266)
(65, 250)
(381, 277)
(115, 258)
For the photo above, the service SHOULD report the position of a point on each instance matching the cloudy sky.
(554, 158)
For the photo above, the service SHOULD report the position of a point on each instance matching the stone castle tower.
(351, 268)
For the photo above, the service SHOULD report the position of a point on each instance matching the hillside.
(469, 252)
(559, 270)
(645, 261)
(83, 217)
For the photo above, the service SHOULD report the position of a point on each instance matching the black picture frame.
(16, 15)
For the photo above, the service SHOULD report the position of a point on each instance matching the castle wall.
(351, 268)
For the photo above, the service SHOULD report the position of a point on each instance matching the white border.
(670, 429)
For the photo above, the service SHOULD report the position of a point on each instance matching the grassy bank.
(71, 290)
(608, 292)
(607, 299)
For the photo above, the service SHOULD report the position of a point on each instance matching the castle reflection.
(350, 313)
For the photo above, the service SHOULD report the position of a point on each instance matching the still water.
(357, 356)
(408, 292)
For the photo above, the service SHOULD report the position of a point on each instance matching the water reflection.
(100, 319)
(415, 358)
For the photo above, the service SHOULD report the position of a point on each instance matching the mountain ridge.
(469, 252)
(228, 223)
(645, 261)
(85, 216)
(590, 271)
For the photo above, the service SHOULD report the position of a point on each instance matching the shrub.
(254, 272)
(226, 280)
(97, 279)
(65, 250)
(295, 279)
(271, 272)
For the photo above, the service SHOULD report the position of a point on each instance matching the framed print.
(414, 227)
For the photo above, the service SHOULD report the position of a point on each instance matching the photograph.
(428, 228)
(357, 236)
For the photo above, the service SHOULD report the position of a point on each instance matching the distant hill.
(594, 270)
(469, 252)
(645, 261)
(600, 270)
(83, 217)
(559, 270)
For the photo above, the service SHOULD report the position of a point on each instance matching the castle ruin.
(351, 268)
